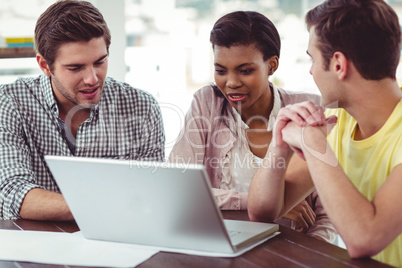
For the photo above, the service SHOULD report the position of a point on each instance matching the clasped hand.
(292, 121)
(303, 214)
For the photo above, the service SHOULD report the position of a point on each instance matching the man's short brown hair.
(68, 21)
(366, 31)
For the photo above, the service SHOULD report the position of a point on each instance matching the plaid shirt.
(126, 124)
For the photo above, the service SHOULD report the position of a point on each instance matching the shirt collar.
(275, 109)
(47, 90)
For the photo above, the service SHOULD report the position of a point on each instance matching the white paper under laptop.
(155, 204)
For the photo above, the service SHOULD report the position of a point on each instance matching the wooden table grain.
(288, 249)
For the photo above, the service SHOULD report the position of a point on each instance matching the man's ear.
(43, 64)
(340, 64)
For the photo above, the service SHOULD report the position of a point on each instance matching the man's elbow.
(260, 215)
(360, 248)
(361, 252)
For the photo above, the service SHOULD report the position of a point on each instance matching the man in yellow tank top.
(357, 169)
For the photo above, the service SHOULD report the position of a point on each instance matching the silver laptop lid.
(158, 204)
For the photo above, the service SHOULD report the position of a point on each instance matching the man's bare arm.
(282, 181)
(40, 204)
(366, 220)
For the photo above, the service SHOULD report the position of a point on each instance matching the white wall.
(114, 15)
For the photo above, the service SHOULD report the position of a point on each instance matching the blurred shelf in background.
(17, 52)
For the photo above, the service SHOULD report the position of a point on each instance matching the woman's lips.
(237, 97)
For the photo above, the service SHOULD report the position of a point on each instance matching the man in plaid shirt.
(71, 109)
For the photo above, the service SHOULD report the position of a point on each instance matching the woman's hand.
(303, 214)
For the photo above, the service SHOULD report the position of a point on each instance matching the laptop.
(152, 203)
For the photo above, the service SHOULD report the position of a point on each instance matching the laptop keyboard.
(233, 233)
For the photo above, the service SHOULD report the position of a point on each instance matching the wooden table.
(288, 249)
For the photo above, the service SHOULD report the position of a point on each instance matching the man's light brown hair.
(68, 21)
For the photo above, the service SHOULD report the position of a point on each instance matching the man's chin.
(87, 105)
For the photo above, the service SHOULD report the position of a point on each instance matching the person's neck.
(257, 116)
(371, 103)
(73, 121)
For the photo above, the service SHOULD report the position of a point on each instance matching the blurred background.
(162, 46)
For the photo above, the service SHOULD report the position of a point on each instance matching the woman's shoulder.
(290, 97)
